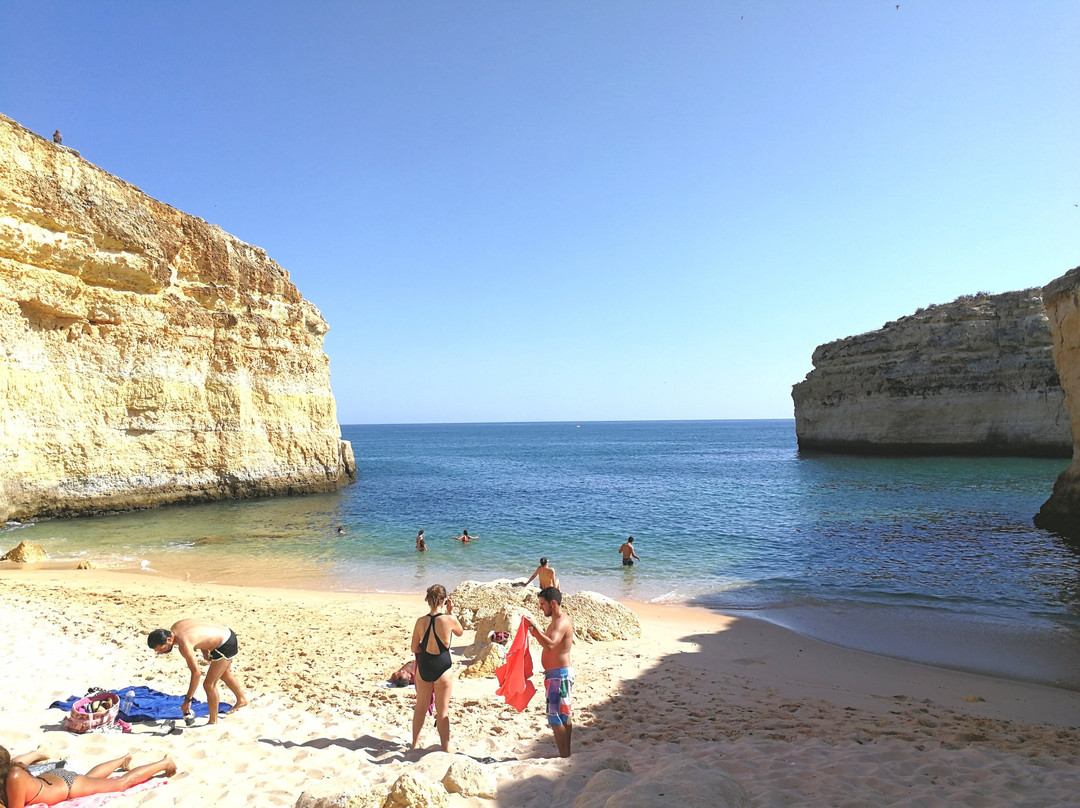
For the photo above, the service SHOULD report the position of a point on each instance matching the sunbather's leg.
(109, 766)
(85, 784)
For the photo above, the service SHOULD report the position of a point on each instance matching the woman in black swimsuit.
(435, 677)
(22, 788)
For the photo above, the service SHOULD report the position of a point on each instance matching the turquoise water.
(726, 514)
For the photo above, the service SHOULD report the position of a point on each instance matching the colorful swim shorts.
(558, 682)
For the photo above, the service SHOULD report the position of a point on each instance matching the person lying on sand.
(218, 645)
(405, 675)
(22, 788)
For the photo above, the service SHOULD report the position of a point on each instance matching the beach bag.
(92, 712)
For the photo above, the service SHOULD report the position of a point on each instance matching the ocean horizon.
(933, 559)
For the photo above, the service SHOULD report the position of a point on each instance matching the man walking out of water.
(545, 575)
(558, 674)
(218, 645)
(628, 554)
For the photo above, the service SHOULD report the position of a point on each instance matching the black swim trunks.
(228, 649)
(628, 562)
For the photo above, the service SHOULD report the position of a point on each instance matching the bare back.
(446, 625)
(199, 635)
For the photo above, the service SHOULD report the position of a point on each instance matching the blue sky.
(584, 211)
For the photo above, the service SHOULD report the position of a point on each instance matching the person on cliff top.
(56, 138)
(544, 574)
(465, 538)
(555, 658)
(421, 545)
(628, 554)
(218, 645)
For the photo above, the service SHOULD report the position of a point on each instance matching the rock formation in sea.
(146, 356)
(975, 377)
(1061, 297)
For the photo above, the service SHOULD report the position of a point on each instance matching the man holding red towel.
(558, 673)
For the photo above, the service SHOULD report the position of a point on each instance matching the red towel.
(514, 675)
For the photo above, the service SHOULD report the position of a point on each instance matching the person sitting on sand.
(421, 545)
(218, 645)
(628, 554)
(431, 645)
(465, 538)
(22, 788)
(545, 574)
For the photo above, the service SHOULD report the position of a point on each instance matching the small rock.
(413, 790)
(470, 779)
(485, 665)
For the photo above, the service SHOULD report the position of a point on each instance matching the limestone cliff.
(1061, 298)
(975, 376)
(146, 356)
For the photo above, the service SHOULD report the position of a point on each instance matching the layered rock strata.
(975, 376)
(1061, 297)
(146, 356)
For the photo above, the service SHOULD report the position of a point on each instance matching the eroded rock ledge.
(146, 356)
(975, 376)
(1061, 513)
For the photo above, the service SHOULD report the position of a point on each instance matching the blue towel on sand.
(151, 705)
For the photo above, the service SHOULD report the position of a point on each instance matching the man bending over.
(218, 645)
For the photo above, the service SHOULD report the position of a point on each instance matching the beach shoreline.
(1045, 655)
(758, 701)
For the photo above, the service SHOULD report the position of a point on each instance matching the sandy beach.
(793, 721)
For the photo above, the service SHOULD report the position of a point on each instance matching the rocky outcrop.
(146, 356)
(26, 552)
(1061, 297)
(975, 376)
(498, 605)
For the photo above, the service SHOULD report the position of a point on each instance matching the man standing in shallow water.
(628, 554)
(555, 658)
(218, 645)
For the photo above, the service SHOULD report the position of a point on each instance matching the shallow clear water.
(724, 513)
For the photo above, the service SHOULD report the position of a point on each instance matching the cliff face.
(1062, 300)
(975, 376)
(146, 356)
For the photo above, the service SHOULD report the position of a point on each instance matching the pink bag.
(83, 717)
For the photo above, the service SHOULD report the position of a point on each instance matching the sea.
(930, 559)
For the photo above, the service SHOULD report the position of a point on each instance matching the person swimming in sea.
(465, 538)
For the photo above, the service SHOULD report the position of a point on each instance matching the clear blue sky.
(647, 209)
